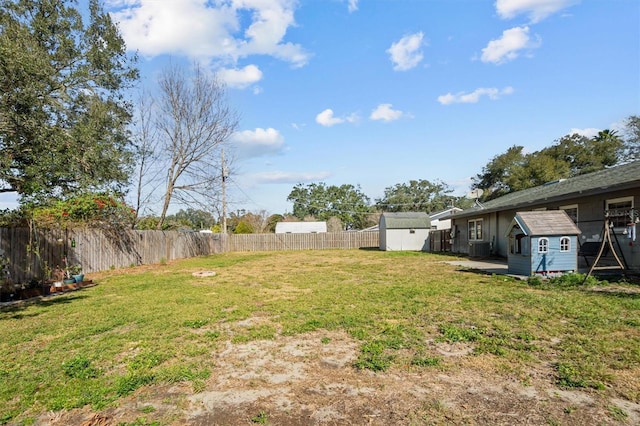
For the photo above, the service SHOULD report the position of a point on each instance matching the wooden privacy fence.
(30, 253)
(319, 241)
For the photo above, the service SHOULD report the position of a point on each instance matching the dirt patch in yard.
(310, 379)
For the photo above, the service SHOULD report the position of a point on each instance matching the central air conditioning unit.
(480, 249)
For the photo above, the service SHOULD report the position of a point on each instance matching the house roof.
(603, 181)
(444, 214)
(549, 222)
(406, 220)
(300, 227)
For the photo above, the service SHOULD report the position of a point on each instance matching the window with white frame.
(619, 210)
(475, 230)
(565, 244)
(572, 212)
(543, 245)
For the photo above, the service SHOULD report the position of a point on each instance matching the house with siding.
(442, 219)
(589, 200)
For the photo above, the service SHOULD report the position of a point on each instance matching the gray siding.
(519, 264)
(590, 221)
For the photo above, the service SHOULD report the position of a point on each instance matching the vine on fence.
(102, 210)
(88, 209)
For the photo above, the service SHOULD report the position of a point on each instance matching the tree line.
(572, 155)
(73, 144)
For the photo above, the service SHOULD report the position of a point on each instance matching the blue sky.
(379, 92)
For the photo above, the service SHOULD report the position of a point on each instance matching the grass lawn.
(160, 325)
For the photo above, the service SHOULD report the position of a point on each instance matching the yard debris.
(203, 274)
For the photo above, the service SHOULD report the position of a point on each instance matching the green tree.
(494, 177)
(586, 155)
(571, 155)
(346, 202)
(416, 195)
(146, 223)
(272, 221)
(195, 218)
(63, 113)
(243, 228)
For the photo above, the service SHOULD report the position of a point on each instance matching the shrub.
(243, 228)
(85, 209)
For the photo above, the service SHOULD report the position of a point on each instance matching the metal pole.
(224, 195)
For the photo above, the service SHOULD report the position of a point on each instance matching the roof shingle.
(550, 222)
(619, 177)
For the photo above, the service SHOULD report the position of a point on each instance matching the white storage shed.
(407, 231)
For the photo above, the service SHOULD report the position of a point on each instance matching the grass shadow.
(618, 292)
(50, 300)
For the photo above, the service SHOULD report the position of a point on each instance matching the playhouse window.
(565, 244)
(475, 229)
(543, 245)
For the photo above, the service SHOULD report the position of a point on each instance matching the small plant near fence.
(6, 286)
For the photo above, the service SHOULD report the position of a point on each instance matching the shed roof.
(550, 222)
(406, 220)
(614, 178)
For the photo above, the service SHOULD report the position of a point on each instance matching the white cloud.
(209, 30)
(473, 97)
(257, 143)
(588, 132)
(240, 78)
(405, 53)
(537, 10)
(384, 112)
(509, 45)
(288, 177)
(327, 119)
(353, 5)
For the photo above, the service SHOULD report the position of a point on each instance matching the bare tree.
(257, 220)
(193, 122)
(148, 176)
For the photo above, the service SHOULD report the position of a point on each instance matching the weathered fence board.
(319, 241)
(31, 252)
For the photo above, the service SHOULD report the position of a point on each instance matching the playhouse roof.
(548, 222)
